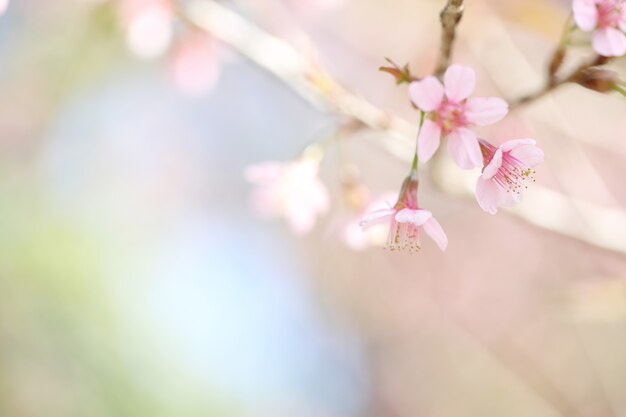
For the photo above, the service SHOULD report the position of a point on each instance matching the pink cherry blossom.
(405, 220)
(607, 20)
(4, 4)
(352, 233)
(506, 172)
(451, 113)
(292, 190)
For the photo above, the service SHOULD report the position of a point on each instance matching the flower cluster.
(607, 20)
(293, 190)
(450, 113)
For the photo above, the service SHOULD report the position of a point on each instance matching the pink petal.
(585, 14)
(377, 217)
(530, 155)
(509, 145)
(435, 231)
(464, 148)
(426, 94)
(428, 140)
(487, 195)
(508, 198)
(609, 42)
(459, 82)
(493, 166)
(417, 217)
(484, 111)
(622, 20)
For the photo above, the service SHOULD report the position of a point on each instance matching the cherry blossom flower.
(351, 232)
(607, 20)
(195, 63)
(451, 113)
(506, 172)
(4, 4)
(292, 190)
(405, 220)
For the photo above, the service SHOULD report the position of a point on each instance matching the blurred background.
(136, 280)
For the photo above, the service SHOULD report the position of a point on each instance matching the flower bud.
(597, 79)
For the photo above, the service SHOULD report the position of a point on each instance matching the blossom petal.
(529, 155)
(484, 111)
(585, 14)
(487, 195)
(509, 145)
(509, 198)
(464, 148)
(493, 166)
(426, 94)
(459, 82)
(377, 217)
(609, 42)
(417, 217)
(428, 140)
(435, 231)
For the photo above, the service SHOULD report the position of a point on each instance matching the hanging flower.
(607, 20)
(450, 113)
(406, 219)
(507, 171)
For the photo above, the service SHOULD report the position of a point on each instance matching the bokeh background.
(136, 280)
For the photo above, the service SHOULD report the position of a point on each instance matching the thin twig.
(450, 17)
(554, 82)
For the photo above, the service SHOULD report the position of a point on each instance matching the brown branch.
(576, 75)
(450, 17)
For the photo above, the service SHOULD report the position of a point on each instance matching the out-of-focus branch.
(450, 17)
(554, 82)
(595, 225)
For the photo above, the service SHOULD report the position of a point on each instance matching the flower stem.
(415, 163)
(619, 89)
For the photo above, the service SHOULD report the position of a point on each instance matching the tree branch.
(553, 83)
(547, 209)
(450, 17)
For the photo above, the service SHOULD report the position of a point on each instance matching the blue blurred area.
(199, 287)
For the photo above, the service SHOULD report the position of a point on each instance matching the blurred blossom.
(148, 26)
(292, 190)
(3, 6)
(195, 63)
